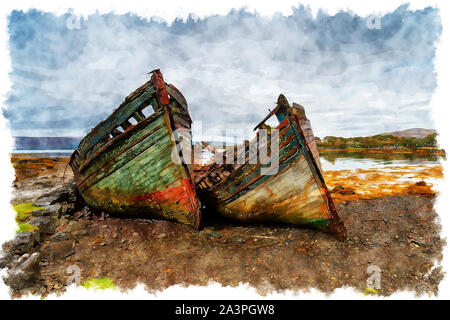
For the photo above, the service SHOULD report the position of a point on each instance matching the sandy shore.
(393, 229)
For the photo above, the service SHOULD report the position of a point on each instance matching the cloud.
(352, 80)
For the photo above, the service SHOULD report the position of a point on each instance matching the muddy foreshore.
(397, 233)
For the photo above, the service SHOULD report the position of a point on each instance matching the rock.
(45, 224)
(77, 234)
(6, 258)
(50, 210)
(25, 272)
(44, 201)
(19, 260)
(76, 226)
(58, 286)
(337, 188)
(67, 193)
(62, 224)
(342, 190)
(23, 242)
(419, 242)
(68, 208)
(215, 234)
(347, 191)
(60, 236)
(57, 250)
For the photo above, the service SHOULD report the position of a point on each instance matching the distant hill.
(71, 143)
(411, 133)
(410, 139)
(46, 143)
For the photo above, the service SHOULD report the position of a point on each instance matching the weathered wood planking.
(295, 194)
(133, 172)
(124, 150)
(124, 112)
(292, 197)
(306, 128)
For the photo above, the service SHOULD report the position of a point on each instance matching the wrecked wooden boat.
(130, 163)
(290, 191)
(305, 126)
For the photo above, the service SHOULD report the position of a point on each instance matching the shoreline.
(64, 154)
(434, 152)
(390, 231)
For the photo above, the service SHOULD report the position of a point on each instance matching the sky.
(355, 75)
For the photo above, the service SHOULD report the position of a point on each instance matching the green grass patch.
(23, 210)
(99, 284)
(26, 227)
(371, 291)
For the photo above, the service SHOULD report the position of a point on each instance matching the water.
(359, 160)
(382, 173)
(43, 153)
(330, 160)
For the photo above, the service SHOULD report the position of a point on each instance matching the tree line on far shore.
(378, 141)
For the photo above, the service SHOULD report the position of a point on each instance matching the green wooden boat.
(129, 164)
(291, 192)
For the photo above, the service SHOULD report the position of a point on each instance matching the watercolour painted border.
(169, 10)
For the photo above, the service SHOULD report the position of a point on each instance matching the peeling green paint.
(318, 223)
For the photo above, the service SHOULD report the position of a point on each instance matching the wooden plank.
(154, 145)
(147, 129)
(285, 134)
(98, 149)
(281, 186)
(180, 121)
(158, 177)
(138, 115)
(122, 183)
(250, 171)
(114, 120)
(243, 188)
(110, 159)
(172, 203)
(288, 193)
(176, 94)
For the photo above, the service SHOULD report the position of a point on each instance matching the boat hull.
(294, 193)
(138, 176)
(290, 197)
(139, 172)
